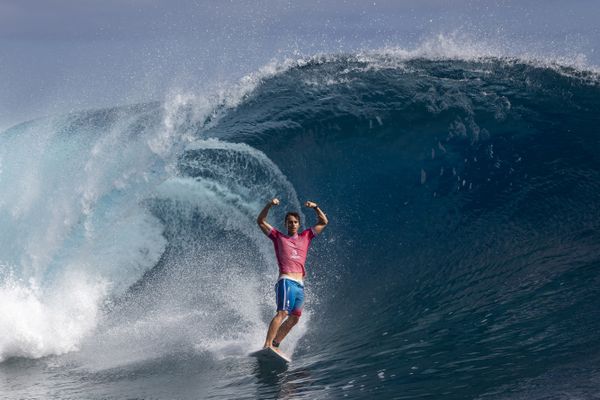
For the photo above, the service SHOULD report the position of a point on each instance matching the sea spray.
(37, 322)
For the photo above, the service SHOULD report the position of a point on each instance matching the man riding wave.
(291, 251)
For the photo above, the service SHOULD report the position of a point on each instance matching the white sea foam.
(36, 322)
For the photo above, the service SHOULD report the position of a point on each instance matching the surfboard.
(270, 355)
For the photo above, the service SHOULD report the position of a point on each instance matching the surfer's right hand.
(275, 201)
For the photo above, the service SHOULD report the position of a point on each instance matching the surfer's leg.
(296, 294)
(285, 328)
(274, 327)
(284, 298)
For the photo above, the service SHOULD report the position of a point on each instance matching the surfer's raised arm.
(262, 217)
(323, 221)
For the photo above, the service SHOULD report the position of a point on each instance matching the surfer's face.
(292, 224)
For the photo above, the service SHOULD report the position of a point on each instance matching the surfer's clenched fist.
(262, 217)
(320, 215)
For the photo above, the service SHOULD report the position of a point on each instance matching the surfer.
(290, 250)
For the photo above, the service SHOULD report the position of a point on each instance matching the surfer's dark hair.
(293, 214)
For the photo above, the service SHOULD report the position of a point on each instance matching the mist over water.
(461, 259)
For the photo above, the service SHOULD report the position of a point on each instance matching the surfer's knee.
(293, 319)
(282, 314)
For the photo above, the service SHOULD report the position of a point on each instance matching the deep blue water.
(462, 258)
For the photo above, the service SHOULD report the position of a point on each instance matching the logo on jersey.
(295, 255)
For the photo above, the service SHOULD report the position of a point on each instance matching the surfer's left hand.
(310, 204)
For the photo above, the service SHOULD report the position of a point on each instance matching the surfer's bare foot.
(272, 348)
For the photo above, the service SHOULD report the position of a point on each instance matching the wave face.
(462, 258)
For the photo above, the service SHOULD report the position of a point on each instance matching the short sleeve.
(273, 233)
(311, 233)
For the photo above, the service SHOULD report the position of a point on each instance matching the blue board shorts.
(290, 296)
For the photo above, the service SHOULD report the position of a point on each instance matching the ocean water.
(462, 258)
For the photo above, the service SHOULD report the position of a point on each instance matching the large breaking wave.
(463, 246)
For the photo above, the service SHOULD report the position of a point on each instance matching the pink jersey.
(291, 250)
